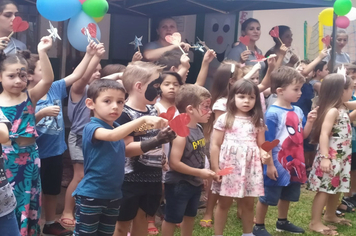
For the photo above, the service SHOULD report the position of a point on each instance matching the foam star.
(53, 32)
(198, 47)
(137, 42)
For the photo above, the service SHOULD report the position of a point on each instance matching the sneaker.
(260, 231)
(351, 200)
(287, 226)
(55, 229)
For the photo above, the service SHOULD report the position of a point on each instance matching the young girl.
(330, 175)
(255, 78)
(236, 140)
(341, 40)
(22, 161)
(51, 130)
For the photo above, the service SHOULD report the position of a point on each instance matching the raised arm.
(266, 82)
(78, 87)
(185, 65)
(315, 62)
(83, 65)
(203, 73)
(155, 54)
(42, 87)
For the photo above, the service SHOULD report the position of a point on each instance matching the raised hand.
(184, 61)
(137, 56)
(209, 56)
(45, 44)
(91, 48)
(312, 115)
(4, 41)
(244, 55)
(185, 46)
(100, 50)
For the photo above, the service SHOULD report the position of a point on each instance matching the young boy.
(8, 222)
(184, 180)
(99, 192)
(284, 174)
(142, 188)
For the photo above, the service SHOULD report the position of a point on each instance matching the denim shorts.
(274, 193)
(182, 199)
(8, 225)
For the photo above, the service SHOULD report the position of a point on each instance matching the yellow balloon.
(326, 17)
(98, 19)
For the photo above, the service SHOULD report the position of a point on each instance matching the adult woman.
(8, 12)
(247, 53)
(286, 36)
(154, 50)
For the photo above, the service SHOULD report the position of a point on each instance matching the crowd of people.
(130, 160)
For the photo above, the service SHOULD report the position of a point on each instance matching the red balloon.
(342, 22)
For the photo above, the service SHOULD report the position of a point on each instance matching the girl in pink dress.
(235, 143)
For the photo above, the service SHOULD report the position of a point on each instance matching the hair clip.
(342, 71)
(233, 66)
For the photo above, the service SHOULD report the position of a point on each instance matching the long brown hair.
(244, 86)
(220, 88)
(331, 92)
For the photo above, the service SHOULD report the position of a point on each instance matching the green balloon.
(95, 8)
(342, 7)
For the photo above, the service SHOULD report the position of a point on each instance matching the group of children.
(123, 145)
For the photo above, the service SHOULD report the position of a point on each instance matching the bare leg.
(261, 211)
(49, 204)
(151, 225)
(221, 212)
(238, 208)
(122, 228)
(139, 224)
(319, 202)
(283, 207)
(187, 226)
(212, 199)
(168, 228)
(247, 207)
(69, 202)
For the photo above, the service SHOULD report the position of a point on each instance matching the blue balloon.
(75, 36)
(58, 10)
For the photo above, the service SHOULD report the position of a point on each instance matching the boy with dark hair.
(184, 180)
(285, 173)
(99, 192)
(142, 188)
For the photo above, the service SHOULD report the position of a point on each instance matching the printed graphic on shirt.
(49, 124)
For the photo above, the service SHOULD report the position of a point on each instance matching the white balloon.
(352, 14)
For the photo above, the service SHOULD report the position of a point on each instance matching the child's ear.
(279, 90)
(89, 103)
(189, 109)
(138, 86)
(29, 77)
(173, 69)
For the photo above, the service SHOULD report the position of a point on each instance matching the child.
(99, 192)
(330, 175)
(284, 174)
(22, 161)
(320, 71)
(255, 78)
(8, 223)
(175, 61)
(184, 180)
(142, 187)
(79, 116)
(340, 57)
(235, 142)
(51, 130)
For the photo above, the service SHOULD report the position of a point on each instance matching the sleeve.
(301, 115)
(235, 54)
(88, 133)
(219, 105)
(59, 89)
(220, 123)
(123, 119)
(272, 125)
(3, 119)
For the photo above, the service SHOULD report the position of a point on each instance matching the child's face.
(341, 40)
(96, 75)
(287, 38)
(253, 30)
(202, 113)
(37, 76)
(151, 90)
(108, 105)
(245, 102)
(14, 78)
(255, 78)
(169, 87)
(324, 72)
(347, 94)
(292, 92)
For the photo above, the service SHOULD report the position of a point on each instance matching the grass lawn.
(299, 214)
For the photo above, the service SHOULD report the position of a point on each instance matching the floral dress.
(338, 179)
(22, 165)
(240, 151)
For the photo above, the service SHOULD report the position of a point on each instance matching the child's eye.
(107, 101)
(120, 102)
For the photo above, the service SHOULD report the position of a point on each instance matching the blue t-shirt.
(288, 156)
(104, 164)
(305, 100)
(51, 130)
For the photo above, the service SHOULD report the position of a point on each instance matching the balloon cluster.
(80, 12)
(344, 10)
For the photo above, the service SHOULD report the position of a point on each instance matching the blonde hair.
(139, 71)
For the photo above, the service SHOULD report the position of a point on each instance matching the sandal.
(325, 231)
(152, 230)
(206, 223)
(340, 222)
(347, 210)
(64, 222)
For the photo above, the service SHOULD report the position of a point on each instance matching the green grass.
(299, 214)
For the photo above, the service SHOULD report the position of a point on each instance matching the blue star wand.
(137, 42)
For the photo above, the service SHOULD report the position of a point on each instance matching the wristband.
(322, 156)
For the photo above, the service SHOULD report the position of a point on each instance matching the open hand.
(209, 56)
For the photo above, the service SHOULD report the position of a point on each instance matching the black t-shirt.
(148, 166)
